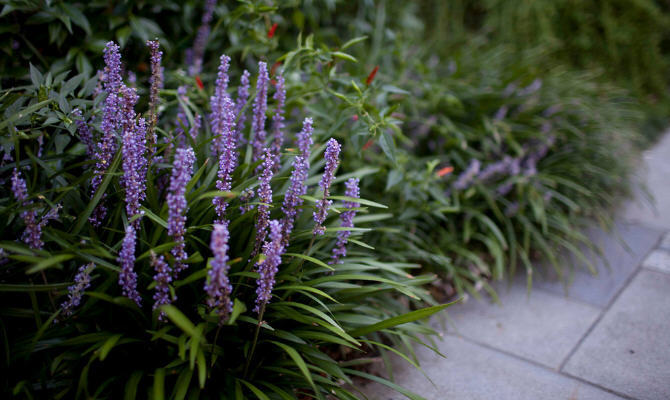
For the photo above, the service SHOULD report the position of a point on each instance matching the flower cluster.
(134, 156)
(269, 265)
(163, 277)
(218, 286)
(82, 281)
(156, 81)
(128, 277)
(278, 121)
(177, 206)
(347, 221)
(467, 176)
(85, 134)
(242, 98)
(265, 197)
(201, 38)
(222, 113)
(297, 187)
(111, 120)
(322, 205)
(260, 108)
(227, 156)
(32, 236)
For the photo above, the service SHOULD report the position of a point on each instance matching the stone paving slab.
(473, 372)
(622, 260)
(541, 327)
(628, 351)
(656, 174)
(665, 243)
(659, 260)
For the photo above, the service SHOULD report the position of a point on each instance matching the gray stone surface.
(622, 260)
(541, 326)
(665, 243)
(472, 372)
(629, 349)
(659, 260)
(656, 174)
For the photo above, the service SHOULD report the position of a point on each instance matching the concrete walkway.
(604, 337)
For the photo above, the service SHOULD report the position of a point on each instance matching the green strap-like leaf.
(401, 319)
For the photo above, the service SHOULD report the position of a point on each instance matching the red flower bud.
(199, 82)
(371, 77)
(272, 30)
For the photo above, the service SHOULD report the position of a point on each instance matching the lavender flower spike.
(177, 206)
(304, 139)
(134, 157)
(156, 82)
(111, 121)
(278, 121)
(269, 266)
(466, 177)
(347, 221)
(260, 107)
(265, 197)
(128, 277)
(85, 134)
(32, 235)
(332, 161)
(82, 281)
(242, 97)
(227, 153)
(292, 198)
(221, 115)
(163, 278)
(218, 285)
(201, 38)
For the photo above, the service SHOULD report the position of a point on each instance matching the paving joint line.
(538, 364)
(604, 311)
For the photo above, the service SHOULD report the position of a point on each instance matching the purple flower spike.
(218, 285)
(128, 277)
(222, 115)
(227, 153)
(269, 266)
(82, 281)
(163, 278)
(264, 196)
(278, 121)
(466, 177)
(347, 221)
(260, 107)
(156, 81)
(134, 157)
(242, 98)
(197, 124)
(332, 153)
(299, 175)
(177, 206)
(85, 134)
(111, 121)
(304, 139)
(200, 42)
(292, 198)
(32, 235)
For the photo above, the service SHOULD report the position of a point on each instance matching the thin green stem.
(253, 344)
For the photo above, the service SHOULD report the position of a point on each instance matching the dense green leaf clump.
(323, 322)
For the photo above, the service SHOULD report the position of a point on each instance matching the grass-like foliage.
(204, 263)
(491, 160)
